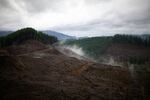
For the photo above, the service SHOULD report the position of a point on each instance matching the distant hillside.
(60, 36)
(26, 34)
(4, 33)
(144, 36)
(133, 39)
(92, 46)
(117, 46)
(128, 51)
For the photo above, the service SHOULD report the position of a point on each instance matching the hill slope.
(132, 52)
(43, 73)
(25, 34)
(131, 46)
(36, 71)
(60, 36)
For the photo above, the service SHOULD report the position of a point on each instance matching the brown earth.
(33, 71)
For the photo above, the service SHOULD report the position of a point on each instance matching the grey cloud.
(132, 16)
(96, 1)
(4, 4)
(36, 6)
(9, 16)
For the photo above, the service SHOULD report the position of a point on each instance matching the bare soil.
(34, 71)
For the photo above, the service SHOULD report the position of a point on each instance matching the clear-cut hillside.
(128, 51)
(35, 71)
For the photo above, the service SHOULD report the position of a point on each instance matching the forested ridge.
(132, 39)
(25, 34)
(93, 46)
(96, 46)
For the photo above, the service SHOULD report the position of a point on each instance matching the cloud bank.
(77, 17)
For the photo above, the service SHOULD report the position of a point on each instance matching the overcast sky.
(77, 17)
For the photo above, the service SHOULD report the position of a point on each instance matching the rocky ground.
(33, 71)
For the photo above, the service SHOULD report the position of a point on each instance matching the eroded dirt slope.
(33, 71)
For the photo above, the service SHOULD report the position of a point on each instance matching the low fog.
(72, 51)
(78, 52)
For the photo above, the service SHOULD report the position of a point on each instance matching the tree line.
(25, 34)
(132, 39)
(96, 46)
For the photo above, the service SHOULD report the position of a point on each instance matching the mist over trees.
(95, 47)
(25, 34)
